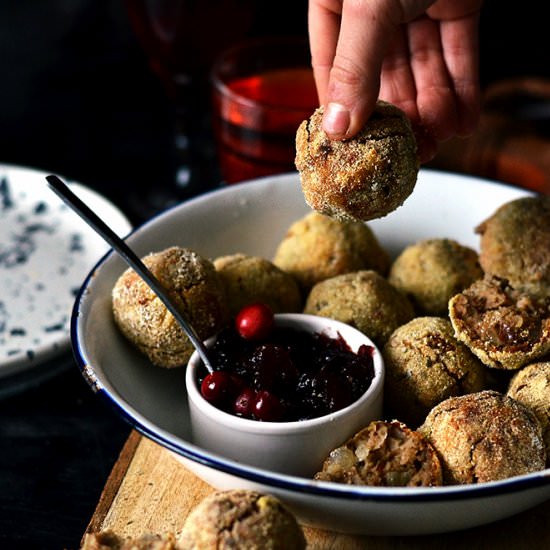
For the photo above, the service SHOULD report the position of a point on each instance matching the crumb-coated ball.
(193, 284)
(387, 454)
(362, 299)
(432, 271)
(241, 519)
(484, 436)
(515, 243)
(505, 327)
(248, 279)
(426, 364)
(317, 247)
(531, 386)
(361, 178)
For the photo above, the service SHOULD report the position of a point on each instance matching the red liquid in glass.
(257, 127)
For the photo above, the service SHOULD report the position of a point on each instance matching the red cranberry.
(255, 321)
(217, 386)
(244, 404)
(267, 407)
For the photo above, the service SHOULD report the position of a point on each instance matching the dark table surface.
(104, 120)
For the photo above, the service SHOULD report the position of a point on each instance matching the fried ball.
(248, 279)
(425, 364)
(531, 386)
(195, 287)
(361, 178)
(506, 328)
(363, 299)
(484, 436)
(241, 519)
(432, 271)
(515, 244)
(386, 454)
(317, 247)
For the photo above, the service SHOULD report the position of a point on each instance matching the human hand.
(420, 55)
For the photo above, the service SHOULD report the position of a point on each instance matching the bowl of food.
(284, 400)
(252, 219)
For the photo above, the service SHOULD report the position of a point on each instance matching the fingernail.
(336, 120)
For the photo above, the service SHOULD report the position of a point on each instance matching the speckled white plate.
(252, 218)
(45, 251)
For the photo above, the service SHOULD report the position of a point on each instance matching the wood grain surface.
(149, 491)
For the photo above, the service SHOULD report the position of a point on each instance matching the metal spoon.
(71, 200)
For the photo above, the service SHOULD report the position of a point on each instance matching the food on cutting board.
(317, 247)
(386, 454)
(362, 299)
(192, 283)
(424, 365)
(484, 436)
(505, 327)
(361, 178)
(241, 519)
(432, 271)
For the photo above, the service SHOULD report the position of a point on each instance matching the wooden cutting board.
(149, 491)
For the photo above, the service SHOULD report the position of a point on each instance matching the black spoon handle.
(131, 258)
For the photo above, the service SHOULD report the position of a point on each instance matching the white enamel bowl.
(252, 218)
(295, 448)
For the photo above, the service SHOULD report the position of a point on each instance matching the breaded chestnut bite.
(386, 454)
(426, 364)
(195, 287)
(515, 244)
(505, 327)
(531, 386)
(484, 436)
(363, 299)
(361, 178)
(317, 247)
(241, 519)
(432, 271)
(249, 279)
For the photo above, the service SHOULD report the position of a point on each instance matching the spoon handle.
(131, 258)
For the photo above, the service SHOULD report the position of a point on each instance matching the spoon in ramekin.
(131, 258)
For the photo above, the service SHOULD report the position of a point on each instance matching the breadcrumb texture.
(317, 247)
(241, 519)
(386, 454)
(432, 271)
(248, 279)
(362, 178)
(485, 436)
(194, 286)
(531, 386)
(362, 299)
(505, 327)
(426, 364)
(515, 244)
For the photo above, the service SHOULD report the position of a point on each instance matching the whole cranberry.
(217, 387)
(244, 404)
(267, 407)
(255, 321)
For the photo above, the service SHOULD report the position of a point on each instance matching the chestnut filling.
(500, 316)
(289, 375)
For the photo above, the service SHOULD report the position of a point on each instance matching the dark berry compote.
(281, 374)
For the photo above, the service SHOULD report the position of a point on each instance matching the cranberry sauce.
(287, 375)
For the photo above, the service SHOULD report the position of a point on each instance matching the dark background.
(77, 98)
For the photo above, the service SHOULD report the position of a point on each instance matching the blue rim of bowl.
(534, 480)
